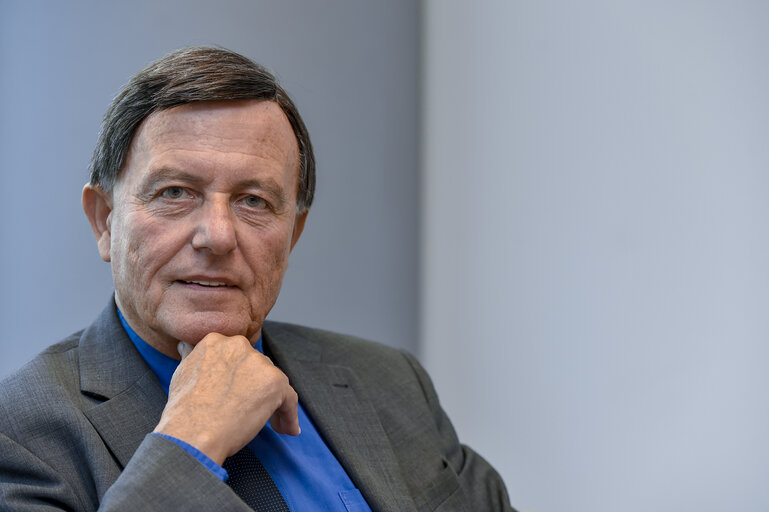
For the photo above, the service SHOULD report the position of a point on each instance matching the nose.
(215, 230)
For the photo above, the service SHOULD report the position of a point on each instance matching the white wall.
(352, 69)
(594, 270)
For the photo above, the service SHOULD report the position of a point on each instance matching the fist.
(223, 393)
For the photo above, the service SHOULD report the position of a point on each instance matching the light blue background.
(352, 69)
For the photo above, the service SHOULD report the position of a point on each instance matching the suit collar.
(343, 413)
(112, 370)
(105, 345)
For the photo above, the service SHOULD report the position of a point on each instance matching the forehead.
(211, 133)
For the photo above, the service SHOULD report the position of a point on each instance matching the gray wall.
(352, 68)
(596, 259)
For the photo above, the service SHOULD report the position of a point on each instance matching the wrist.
(208, 444)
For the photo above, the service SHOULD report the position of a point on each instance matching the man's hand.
(222, 395)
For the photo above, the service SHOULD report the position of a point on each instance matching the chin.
(203, 324)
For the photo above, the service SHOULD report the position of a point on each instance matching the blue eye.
(254, 202)
(173, 193)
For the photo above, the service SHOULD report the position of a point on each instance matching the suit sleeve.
(160, 477)
(482, 486)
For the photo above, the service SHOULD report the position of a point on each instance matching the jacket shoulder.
(327, 339)
(46, 387)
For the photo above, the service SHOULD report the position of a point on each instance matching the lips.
(212, 284)
(208, 281)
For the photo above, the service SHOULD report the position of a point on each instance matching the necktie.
(253, 483)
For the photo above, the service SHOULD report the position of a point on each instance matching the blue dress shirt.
(305, 471)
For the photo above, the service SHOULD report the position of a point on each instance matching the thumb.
(184, 349)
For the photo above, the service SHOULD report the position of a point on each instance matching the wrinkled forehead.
(250, 127)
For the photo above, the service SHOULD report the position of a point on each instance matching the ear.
(97, 205)
(298, 227)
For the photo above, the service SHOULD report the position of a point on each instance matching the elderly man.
(200, 187)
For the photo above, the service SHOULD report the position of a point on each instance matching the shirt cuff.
(218, 471)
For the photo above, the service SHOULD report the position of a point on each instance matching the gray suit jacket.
(74, 426)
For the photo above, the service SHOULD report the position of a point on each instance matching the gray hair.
(185, 76)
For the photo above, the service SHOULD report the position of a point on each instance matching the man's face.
(201, 221)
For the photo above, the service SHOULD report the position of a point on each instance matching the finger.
(184, 349)
(283, 425)
(285, 420)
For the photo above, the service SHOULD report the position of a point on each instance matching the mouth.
(207, 284)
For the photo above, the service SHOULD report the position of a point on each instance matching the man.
(201, 183)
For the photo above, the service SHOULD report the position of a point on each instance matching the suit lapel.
(331, 394)
(112, 370)
(346, 418)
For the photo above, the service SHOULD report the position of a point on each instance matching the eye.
(173, 193)
(254, 202)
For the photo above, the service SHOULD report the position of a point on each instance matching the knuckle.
(278, 379)
(211, 337)
(242, 340)
(275, 374)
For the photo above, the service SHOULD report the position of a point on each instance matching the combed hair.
(185, 76)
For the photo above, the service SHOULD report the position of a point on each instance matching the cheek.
(269, 261)
(281, 250)
(141, 249)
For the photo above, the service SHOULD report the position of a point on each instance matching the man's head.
(186, 76)
(200, 208)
